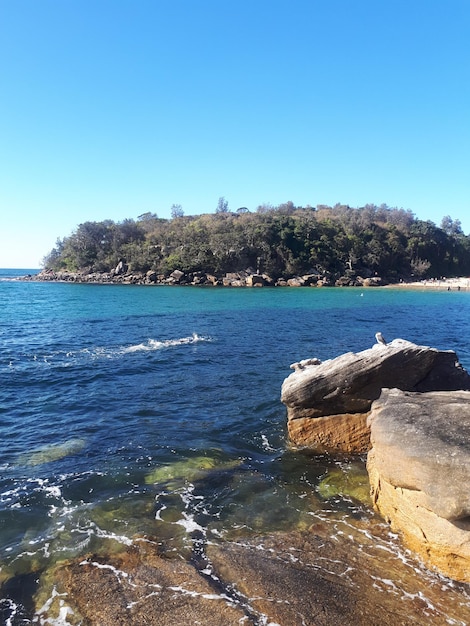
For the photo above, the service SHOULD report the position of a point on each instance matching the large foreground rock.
(337, 573)
(419, 469)
(328, 403)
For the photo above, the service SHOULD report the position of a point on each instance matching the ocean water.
(127, 410)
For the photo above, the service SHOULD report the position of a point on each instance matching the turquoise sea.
(115, 400)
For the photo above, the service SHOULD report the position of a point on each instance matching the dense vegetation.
(280, 241)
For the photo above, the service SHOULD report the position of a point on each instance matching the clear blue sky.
(111, 108)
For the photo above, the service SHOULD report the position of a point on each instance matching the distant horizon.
(20, 268)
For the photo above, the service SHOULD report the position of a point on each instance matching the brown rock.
(375, 281)
(419, 469)
(211, 279)
(142, 588)
(177, 276)
(254, 280)
(313, 579)
(349, 433)
(268, 280)
(343, 570)
(350, 383)
(295, 282)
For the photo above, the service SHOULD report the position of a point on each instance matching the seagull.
(380, 339)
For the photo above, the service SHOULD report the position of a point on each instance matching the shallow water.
(128, 411)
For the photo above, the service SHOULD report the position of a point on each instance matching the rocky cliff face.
(328, 403)
(419, 470)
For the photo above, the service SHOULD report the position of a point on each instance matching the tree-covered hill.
(281, 242)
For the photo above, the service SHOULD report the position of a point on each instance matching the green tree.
(280, 241)
(222, 205)
(176, 211)
(450, 226)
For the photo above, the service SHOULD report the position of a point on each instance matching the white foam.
(64, 610)
(93, 529)
(13, 608)
(189, 524)
(53, 491)
(158, 514)
(130, 605)
(266, 444)
(154, 344)
(195, 594)
(420, 596)
(66, 358)
(118, 572)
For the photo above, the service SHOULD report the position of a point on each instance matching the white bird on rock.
(380, 339)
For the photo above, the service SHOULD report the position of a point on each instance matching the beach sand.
(444, 284)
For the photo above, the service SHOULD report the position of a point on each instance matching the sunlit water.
(132, 410)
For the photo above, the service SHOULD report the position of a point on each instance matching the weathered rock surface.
(328, 403)
(310, 578)
(140, 587)
(348, 433)
(419, 469)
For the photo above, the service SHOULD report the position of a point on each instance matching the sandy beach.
(461, 283)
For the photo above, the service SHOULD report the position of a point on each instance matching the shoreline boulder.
(408, 406)
(419, 471)
(328, 402)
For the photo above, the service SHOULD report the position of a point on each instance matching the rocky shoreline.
(408, 408)
(121, 275)
(280, 579)
(283, 579)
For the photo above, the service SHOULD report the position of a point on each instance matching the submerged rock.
(137, 587)
(345, 574)
(189, 470)
(328, 403)
(52, 452)
(419, 469)
(350, 482)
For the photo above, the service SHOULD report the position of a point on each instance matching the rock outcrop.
(123, 274)
(308, 578)
(409, 406)
(328, 402)
(419, 470)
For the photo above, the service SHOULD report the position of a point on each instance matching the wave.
(154, 344)
(67, 358)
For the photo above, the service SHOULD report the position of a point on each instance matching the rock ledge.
(409, 407)
(419, 470)
(328, 402)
